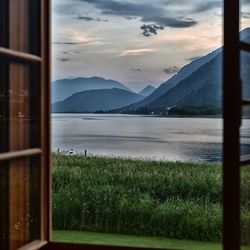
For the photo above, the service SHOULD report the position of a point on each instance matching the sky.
(136, 42)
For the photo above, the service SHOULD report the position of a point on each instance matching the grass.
(133, 241)
(147, 198)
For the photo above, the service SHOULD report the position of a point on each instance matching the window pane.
(4, 107)
(4, 29)
(135, 159)
(4, 178)
(20, 25)
(20, 107)
(245, 132)
(245, 73)
(19, 202)
(245, 207)
(245, 21)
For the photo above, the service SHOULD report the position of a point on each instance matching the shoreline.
(130, 158)
(143, 115)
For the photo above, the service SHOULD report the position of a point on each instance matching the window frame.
(231, 126)
(43, 152)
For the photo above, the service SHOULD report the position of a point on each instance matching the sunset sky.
(137, 42)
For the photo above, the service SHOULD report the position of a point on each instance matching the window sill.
(34, 245)
(69, 246)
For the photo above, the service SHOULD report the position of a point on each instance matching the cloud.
(63, 8)
(144, 11)
(69, 52)
(136, 52)
(193, 58)
(63, 59)
(205, 6)
(136, 69)
(171, 22)
(130, 18)
(245, 1)
(245, 15)
(90, 19)
(171, 70)
(86, 43)
(151, 29)
(125, 8)
(66, 43)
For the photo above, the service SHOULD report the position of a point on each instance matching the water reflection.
(159, 138)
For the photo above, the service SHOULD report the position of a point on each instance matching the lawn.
(135, 241)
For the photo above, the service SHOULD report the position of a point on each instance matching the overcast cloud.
(132, 41)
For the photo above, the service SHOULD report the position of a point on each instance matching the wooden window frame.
(231, 133)
(26, 58)
(231, 126)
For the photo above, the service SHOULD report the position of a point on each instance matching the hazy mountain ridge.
(96, 100)
(64, 88)
(148, 90)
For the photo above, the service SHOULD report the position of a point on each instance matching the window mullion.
(20, 154)
(232, 121)
(18, 56)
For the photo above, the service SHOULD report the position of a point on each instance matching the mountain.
(172, 82)
(62, 89)
(203, 87)
(96, 100)
(245, 34)
(147, 91)
(197, 84)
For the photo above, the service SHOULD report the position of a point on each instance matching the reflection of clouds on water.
(91, 119)
(206, 152)
(173, 139)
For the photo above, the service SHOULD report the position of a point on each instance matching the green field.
(133, 241)
(146, 198)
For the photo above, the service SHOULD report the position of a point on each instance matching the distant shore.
(145, 115)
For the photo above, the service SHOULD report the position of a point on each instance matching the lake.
(147, 137)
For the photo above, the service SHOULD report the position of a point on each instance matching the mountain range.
(175, 80)
(96, 101)
(147, 91)
(197, 84)
(64, 88)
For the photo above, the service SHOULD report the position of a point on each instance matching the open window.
(25, 211)
(24, 124)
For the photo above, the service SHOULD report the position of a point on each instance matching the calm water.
(182, 139)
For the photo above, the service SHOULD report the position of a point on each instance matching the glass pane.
(245, 21)
(4, 107)
(245, 207)
(137, 123)
(19, 202)
(4, 22)
(245, 132)
(20, 106)
(21, 24)
(4, 178)
(245, 74)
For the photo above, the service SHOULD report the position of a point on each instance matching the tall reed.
(170, 199)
